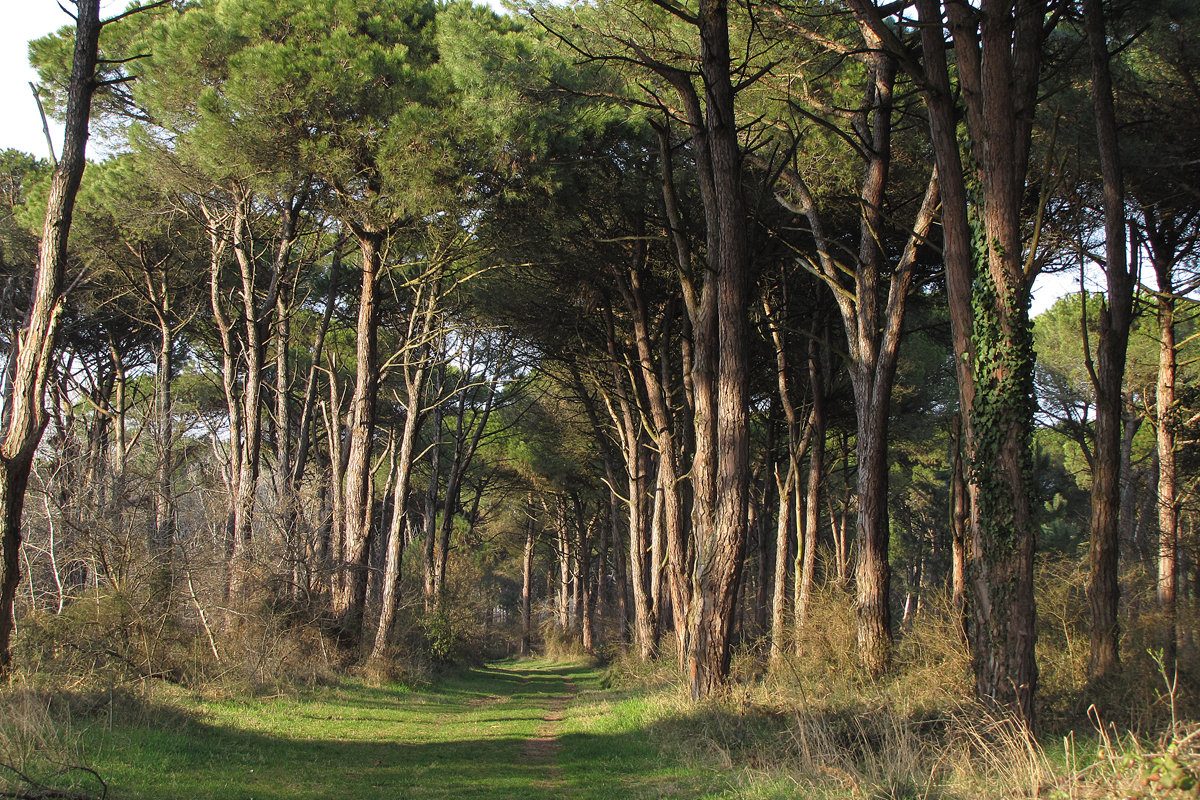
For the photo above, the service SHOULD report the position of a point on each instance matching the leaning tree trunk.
(414, 378)
(25, 413)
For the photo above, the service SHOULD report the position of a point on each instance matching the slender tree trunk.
(252, 356)
(415, 371)
(162, 537)
(564, 575)
(431, 496)
(806, 555)
(788, 488)
(337, 475)
(585, 607)
(958, 529)
(466, 443)
(1115, 320)
(1168, 500)
(636, 461)
(24, 412)
(785, 525)
(307, 410)
(527, 577)
(351, 601)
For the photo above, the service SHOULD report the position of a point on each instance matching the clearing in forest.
(513, 730)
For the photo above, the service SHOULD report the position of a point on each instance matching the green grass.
(465, 738)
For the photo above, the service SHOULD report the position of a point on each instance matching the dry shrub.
(40, 749)
(557, 644)
(1134, 699)
(818, 725)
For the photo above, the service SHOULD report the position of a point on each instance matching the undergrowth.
(812, 725)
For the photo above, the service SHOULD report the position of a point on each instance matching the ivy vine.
(1004, 401)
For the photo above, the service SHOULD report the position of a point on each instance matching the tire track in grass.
(541, 750)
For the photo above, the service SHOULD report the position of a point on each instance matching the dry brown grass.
(817, 727)
(40, 748)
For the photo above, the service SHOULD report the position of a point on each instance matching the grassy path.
(527, 730)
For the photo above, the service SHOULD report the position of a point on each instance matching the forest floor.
(529, 729)
(544, 730)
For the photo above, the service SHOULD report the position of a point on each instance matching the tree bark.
(998, 51)
(24, 412)
(350, 602)
(1168, 500)
(1115, 320)
(416, 368)
(633, 448)
(720, 466)
(958, 529)
(806, 554)
(527, 577)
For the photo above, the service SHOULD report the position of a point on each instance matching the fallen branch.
(39, 791)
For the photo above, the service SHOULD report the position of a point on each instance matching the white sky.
(21, 128)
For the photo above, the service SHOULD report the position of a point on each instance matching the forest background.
(399, 336)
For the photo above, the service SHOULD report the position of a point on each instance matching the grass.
(814, 728)
(465, 738)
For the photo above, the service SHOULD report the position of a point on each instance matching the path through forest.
(521, 730)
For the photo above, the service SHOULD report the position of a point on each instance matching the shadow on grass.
(476, 752)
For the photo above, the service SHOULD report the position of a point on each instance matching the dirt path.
(541, 750)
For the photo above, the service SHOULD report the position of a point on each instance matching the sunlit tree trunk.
(527, 576)
(350, 602)
(24, 414)
(1166, 413)
(806, 555)
(415, 368)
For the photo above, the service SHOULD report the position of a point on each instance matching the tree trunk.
(24, 412)
(788, 488)
(585, 607)
(998, 70)
(873, 323)
(1115, 320)
(806, 554)
(636, 461)
(467, 435)
(720, 467)
(415, 368)
(958, 529)
(162, 536)
(307, 410)
(351, 601)
(1165, 411)
(429, 548)
(785, 525)
(527, 577)
(998, 50)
